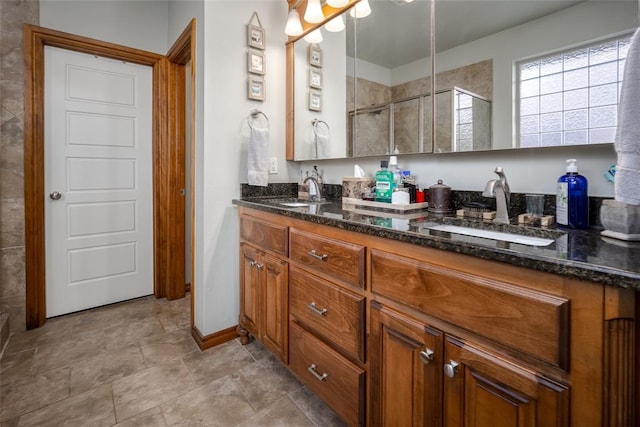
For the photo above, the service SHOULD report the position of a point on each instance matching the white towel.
(627, 145)
(324, 146)
(257, 159)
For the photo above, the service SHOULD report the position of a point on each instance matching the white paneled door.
(98, 181)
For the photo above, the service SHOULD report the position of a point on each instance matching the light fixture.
(313, 14)
(293, 28)
(335, 25)
(314, 36)
(337, 3)
(361, 9)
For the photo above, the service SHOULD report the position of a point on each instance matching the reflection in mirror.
(389, 73)
(506, 58)
(551, 72)
(320, 98)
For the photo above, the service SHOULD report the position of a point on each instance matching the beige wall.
(12, 289)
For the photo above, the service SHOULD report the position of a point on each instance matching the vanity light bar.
(313, 14)
(293, 27)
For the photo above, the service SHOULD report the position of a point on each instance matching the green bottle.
(384, 183)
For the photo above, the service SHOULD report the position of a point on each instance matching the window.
(571, 97)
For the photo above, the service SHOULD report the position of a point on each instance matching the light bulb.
(314, 36)
(313, 14)
(335, 25)
(337, 3)
(293, 28)
(361, 10)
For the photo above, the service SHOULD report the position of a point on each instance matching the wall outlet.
(273, 165)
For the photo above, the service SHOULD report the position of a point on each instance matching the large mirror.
(550, 71)
(508, 74)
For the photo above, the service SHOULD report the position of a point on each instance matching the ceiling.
(394, 35)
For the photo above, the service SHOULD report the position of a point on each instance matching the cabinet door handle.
(252, 263)
(259, 266)
(426, 356)
(451, 368)
(312, 253)
(315, 373)
(319, 311)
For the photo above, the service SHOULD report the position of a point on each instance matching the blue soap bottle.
(572, 198)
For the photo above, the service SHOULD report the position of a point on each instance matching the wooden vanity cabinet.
(332, 377)
(327, 312)
(515, 347)
(421, 376)
(393, 334)
(264, 285)
(482, 389)
(405, 370)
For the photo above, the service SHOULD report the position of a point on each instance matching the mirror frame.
(301, 6)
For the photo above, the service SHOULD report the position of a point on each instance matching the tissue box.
(353, 188)
(303, 192)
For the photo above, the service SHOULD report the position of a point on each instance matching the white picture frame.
(315, 100)
(315, 78)
(256, 88)
(315, 56)
(256, 62)
(255, 37)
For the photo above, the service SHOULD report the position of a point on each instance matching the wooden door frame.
(182, 52)
(35, 40)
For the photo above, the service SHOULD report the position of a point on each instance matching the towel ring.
(253, 115)
(316, 122)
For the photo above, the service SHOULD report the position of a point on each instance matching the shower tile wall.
(13, 13)
(373, 130)
(476, 78)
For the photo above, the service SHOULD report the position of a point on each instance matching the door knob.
(55, 195)
(451, 368)
(426, 356)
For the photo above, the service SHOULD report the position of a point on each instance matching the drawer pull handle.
(426, 356)
(319, 311)
(451, 368)
(312, 253)
(315, 373)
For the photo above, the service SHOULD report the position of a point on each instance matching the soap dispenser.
(572, 198)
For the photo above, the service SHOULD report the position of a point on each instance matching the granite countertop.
(581, 254)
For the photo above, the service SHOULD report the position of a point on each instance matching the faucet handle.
(316, 173)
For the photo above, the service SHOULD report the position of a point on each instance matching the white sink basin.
(294, 204)
(494, 235)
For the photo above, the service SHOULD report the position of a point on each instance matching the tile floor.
(135, 364)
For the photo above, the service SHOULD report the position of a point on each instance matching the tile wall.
(373, 126)
(13, 13)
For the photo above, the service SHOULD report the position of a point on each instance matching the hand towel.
(324, 146)
(627, 144)
(257, 159)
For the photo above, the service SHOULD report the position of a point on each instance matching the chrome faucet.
(315, 195)
(499, 189)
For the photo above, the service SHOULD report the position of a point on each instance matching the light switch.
(273, 165)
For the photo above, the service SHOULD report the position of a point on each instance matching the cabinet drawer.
(268, 236)
(328, 310)
(334, 379)
(526, 320)
(335, 258)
